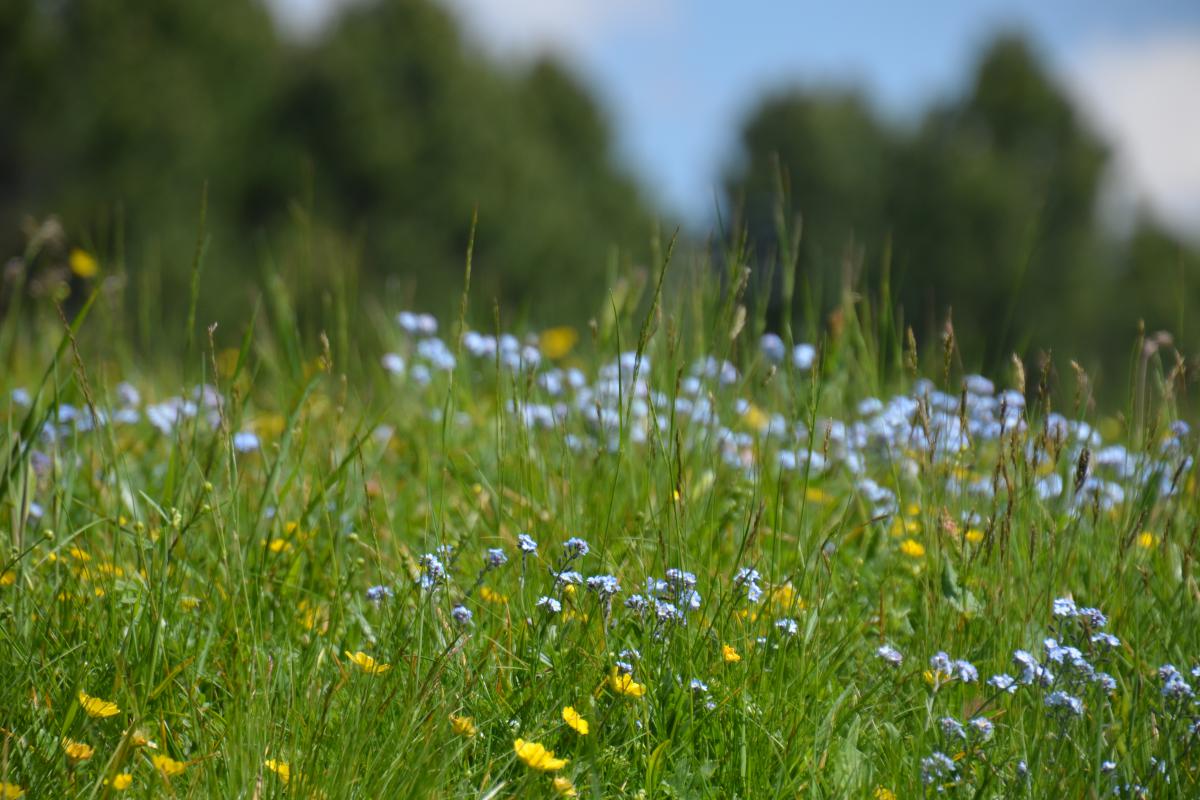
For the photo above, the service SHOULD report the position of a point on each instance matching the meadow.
(664, 553)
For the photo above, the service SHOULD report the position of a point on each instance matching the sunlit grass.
(654, 557)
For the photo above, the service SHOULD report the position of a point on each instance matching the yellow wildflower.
(121, 781)
(623, 683)
(730, 655)
(1146, 540)
(782, 595)
(367, 664)
(490, 595)
(8, 578)
(280, 768)
(564, 788)
(911, 547)
(279, 546)
(463, 726)
(936, 678)
(883, 793)
(167, 766)
(537, 757)
(557, 342)
(817, 495)
(574, 721)
(84, 264)
(77, 751)
(97, 708)
(755, 417)
(974, 535)
(10, 791)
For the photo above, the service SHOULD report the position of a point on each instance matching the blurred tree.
(829, 156)
(994, 209)
(115, 113)
(990, 205)
(408, 133)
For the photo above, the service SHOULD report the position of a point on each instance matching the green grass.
(213, 594)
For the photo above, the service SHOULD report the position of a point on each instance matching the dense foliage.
(372, 144)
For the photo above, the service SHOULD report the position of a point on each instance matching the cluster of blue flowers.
(1064, 680)
(888, 439)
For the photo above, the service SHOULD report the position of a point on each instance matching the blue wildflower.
(245, 441)
(983, 728)
(1004, 682)
(1062, 700)
(1065, 607)
(637, 603)
(433, 572)
(377, 594)
(937, 767)
(667, 612)
(965, 671)
(952, 728)
(890, 654)
(576, 547)
(772, 347)
(680, 579)
(568, 576)
(603, 585)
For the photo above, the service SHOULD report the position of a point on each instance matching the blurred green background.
(349, 163)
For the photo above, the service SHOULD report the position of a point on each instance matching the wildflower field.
(666, 554)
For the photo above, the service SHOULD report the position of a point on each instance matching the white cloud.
(304, 17)
(1144, 96)
(557, 25)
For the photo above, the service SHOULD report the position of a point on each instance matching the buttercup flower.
(537, 757)
(574, 721)
(623, 683)
(463, 726)
(97, 708)
(280, 768)
(77, 751)
(367, 664)
(564, 788)
(167, 766)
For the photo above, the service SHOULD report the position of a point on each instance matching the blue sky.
(677, 76)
